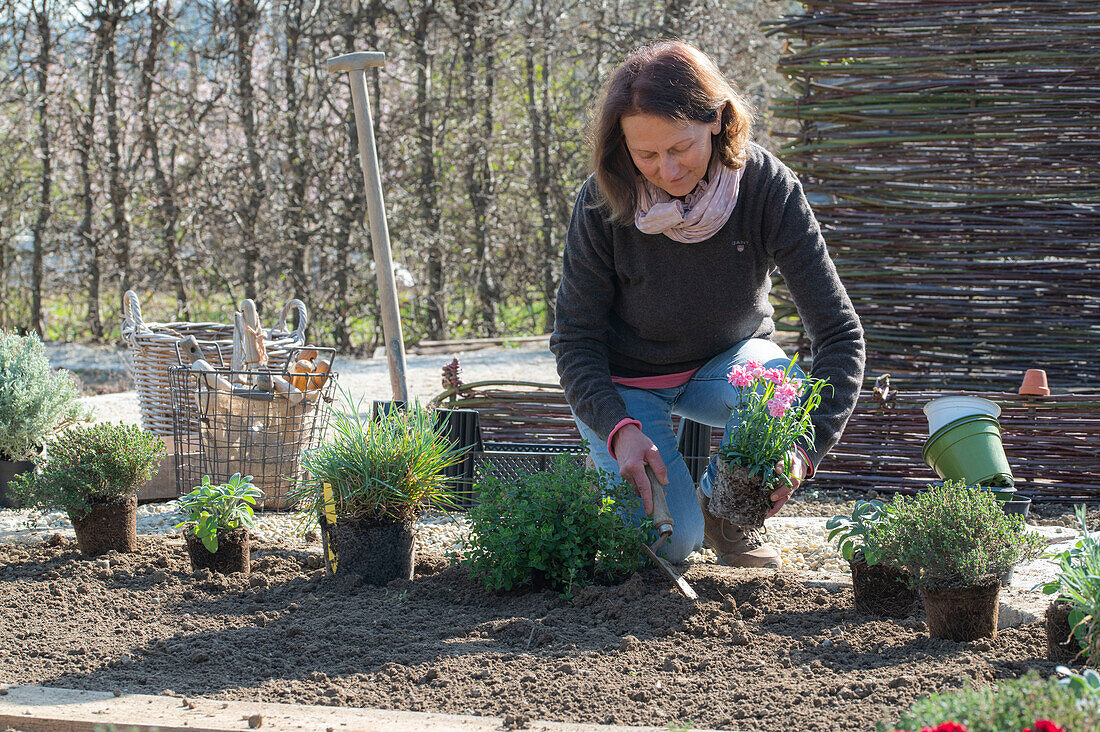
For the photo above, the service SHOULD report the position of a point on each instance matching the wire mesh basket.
(223, 425)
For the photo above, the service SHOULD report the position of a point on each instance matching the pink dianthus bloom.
(777, 407)
(774, 375)
(739, 376)
(787, 390)
(755, 368)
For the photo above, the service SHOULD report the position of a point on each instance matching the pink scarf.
(699, 216)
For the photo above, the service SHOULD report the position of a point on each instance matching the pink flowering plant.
(774, 410)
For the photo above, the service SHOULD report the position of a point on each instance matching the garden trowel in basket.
(662, 522)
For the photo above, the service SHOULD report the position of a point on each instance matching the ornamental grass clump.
(953, 536)
(35, 402)
(1078, 583)
(560, 529)
(774, 415)
(384, 468)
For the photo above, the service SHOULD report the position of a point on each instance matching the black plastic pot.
(8, 471)
(374, 553)
(1020, 506)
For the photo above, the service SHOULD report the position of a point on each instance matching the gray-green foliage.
(97, 464)
(1078, 580)
(561, 528)
(862, 530)
(214, 508)
(35, 402)
(1013, 705)
(955, 536)
(387, 467)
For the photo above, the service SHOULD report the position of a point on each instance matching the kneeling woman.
(665, 283)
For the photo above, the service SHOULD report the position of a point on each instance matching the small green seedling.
(212, 508)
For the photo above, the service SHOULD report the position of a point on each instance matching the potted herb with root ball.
(217, 524)
(880, 588)
(369, 484)
(35, 403)
(957, 542)
(774, 416)
(1073, 618)
(559, 529)
(94, 473)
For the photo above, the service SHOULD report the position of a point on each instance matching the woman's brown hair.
(669, 78)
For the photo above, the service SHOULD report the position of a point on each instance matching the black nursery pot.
(8, 471)
(882, 590)
(232, 555)
(374, 553)
(1062, 647)
(108, 526)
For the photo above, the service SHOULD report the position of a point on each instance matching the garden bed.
(761, 649)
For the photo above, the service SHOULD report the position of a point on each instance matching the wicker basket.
(152, 349)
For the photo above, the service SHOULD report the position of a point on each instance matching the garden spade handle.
(662, 519)
(356, 64)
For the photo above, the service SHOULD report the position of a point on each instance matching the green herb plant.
(955, 536)
(35, 402)
(387, 468)
(1086, 683)
(1078, 581)
(861, 531)
(97, 464)
(563, 528)
(212, 509)
(1013, 704)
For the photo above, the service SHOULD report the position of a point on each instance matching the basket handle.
(132, 322)
(303, 319)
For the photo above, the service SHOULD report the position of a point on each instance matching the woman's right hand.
(633, 451)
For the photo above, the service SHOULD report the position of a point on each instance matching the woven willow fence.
(951, 151)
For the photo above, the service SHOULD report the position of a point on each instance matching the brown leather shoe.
(734, 545)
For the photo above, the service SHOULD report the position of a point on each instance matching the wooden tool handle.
(662, 519)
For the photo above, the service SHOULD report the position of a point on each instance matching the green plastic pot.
(969, 449)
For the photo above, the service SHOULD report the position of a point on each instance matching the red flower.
(1045, 725)
(949, 727)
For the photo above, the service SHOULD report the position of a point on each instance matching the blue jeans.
(707, 398)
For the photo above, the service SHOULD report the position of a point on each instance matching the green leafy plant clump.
(955, 536)
(384, 468)
(861, 532)
(1014, 704)
(1078, 581)
(562, 529)
(212, 509)
(35, 402)
(87, 465)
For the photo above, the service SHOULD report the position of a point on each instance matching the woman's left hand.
(795, 477)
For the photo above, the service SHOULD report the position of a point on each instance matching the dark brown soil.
(1061, 647)
(962, 613)
(233, 553)
(107, 527)
(882, 590)
(739, 497)
(761, 649)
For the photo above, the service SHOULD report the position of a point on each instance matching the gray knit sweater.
(634, 304)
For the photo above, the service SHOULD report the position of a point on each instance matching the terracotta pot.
(375, 553)
(1035, 383)
(232, 555)
(962, 613)
(1062, 647)
(882, 590)
(108, 526)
